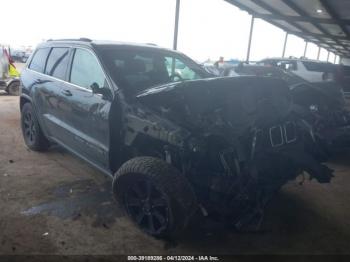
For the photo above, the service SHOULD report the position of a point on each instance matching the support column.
(328, 56)
(250, 38)
(285, 45)
(176, 27)
(319, 52)
(335, 58)
(305, 49)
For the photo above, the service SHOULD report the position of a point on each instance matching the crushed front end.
(236, 181)
(237, 140)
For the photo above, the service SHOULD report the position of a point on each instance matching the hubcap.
(29, 127)
(147, 206)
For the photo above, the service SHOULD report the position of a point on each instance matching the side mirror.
(104, 91)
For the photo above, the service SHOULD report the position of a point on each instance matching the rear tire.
(157, 197)
(32, 133)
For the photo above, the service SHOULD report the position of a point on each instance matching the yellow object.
(13, 71)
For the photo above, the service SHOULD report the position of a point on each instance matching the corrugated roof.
(323, 22)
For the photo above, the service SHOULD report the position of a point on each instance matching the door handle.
(66, 92)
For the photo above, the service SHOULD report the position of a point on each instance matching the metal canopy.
(323, 22)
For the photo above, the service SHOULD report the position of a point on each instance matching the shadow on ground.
(80, 198)
(288, 222)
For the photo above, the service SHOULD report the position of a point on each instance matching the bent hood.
(230, 105)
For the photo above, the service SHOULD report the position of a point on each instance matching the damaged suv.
(174, 140)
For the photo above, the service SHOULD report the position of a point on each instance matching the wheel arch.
(24, 99)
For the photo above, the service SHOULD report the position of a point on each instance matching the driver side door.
(88, 116)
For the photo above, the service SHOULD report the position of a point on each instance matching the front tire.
(32, 133)
(157, 197)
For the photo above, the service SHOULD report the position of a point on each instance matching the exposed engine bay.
(237, 140)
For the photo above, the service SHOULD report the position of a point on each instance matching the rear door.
(38, 86)
(88, 115)
(49, 96)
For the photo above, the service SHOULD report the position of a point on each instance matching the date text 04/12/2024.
(173, 258)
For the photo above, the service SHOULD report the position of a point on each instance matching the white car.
(309, 70)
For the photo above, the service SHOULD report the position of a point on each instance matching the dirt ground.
(54, 203)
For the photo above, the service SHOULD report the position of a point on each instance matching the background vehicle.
(20, 55)
(174, 141)
(11, 86)
(215, 70)
(309, 70)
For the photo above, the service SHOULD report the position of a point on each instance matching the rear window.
(57, 62)
(39, 60)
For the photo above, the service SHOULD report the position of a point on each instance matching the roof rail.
(71, 39)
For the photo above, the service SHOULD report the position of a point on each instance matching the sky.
(208, 29)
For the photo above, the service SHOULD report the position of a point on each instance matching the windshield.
(136, 69)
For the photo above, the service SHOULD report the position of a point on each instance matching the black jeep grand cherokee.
(174, 140)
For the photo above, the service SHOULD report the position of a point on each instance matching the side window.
(86, 70)
(175, 67)
(39, 60)
(57, 62)
(288, 66)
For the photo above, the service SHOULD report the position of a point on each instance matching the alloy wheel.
(147, 206)
(29, 127)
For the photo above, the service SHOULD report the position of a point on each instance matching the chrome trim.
(309, 129)
(60, 80)
(66, 82)
(285, 132)
(281, 135)
(255, 138)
